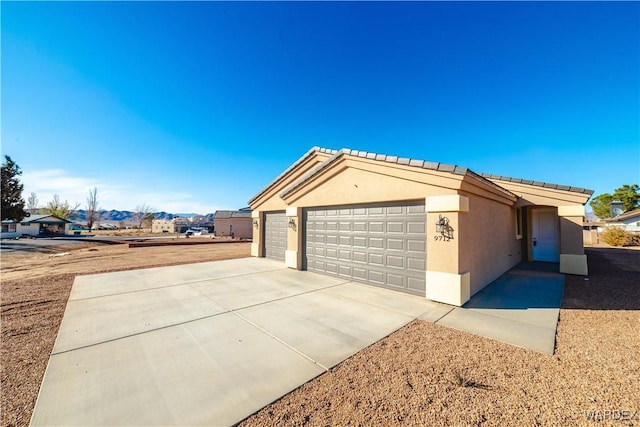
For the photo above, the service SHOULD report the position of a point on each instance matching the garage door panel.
(416, 227)
(331, 267)
(417, 264)
(376, 259)
(416, 284)
(344, 240)
(376, 227)
(395, 280)
(395, 244)
(395, 227)
(395, 210)
(395, 261)
(377, 244)
(359, 256)
(360, 226)
(345, 271)
(359, 273)
(360, 241)
(415, 209)
(414, 245)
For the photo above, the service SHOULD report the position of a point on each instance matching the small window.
(518, 223)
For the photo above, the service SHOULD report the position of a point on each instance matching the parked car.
(190, 233)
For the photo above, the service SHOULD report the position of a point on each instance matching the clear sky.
(196, 106)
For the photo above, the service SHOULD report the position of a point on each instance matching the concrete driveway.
(209, 343)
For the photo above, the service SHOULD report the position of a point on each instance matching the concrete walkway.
(211, 343)
(520, 308)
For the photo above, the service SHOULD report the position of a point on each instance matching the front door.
(545, 234)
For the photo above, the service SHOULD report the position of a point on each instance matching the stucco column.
(572, 257)
(445, 282)
(257, 248)
(293, 254)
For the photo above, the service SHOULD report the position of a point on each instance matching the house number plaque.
(443, 229)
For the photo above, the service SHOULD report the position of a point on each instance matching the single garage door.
(275, 235)
(382, 245)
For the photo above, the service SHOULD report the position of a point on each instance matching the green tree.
(12, 201)
(601, 205)
(629, 195)
(60, 209)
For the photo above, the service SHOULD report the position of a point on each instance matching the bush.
(617, 236)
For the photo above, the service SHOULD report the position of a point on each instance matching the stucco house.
(36, 225)
(163, 226)
(233, 223)
(436, 230)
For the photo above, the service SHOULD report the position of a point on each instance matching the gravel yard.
(423, 374)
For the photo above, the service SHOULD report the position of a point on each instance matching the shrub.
(617, 236)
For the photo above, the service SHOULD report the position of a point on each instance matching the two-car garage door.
(382, 245)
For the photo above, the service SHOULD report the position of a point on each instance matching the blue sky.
(193, 107)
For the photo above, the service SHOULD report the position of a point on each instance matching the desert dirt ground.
(426, 374)
(35, 290)
(423, 374)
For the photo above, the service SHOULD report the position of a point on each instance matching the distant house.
(233, 223)
(630, 221)
(35, 225)
(163, 226)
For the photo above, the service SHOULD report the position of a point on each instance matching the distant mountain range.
(128, 216)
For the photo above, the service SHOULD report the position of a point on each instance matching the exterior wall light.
(255, 223)
(292, 224)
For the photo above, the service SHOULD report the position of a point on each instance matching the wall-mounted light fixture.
(255, 223)
(292, 224)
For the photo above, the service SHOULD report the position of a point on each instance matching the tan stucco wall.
(571, 235)
(242, 228)
(293, 254)
(488, 245)
(356, 185)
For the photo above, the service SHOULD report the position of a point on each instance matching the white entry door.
(545, 235)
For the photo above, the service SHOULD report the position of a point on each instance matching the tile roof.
(442, 167)
(231, 214)
(538, 183)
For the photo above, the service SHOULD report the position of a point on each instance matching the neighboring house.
(9, 229)
(163, 226)
(436, 230)
(236, 224)
(630, 221)
(36, 225)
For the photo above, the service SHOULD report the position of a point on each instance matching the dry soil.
(35, 290)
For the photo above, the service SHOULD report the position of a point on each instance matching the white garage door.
(275, 235)
(382, 245)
